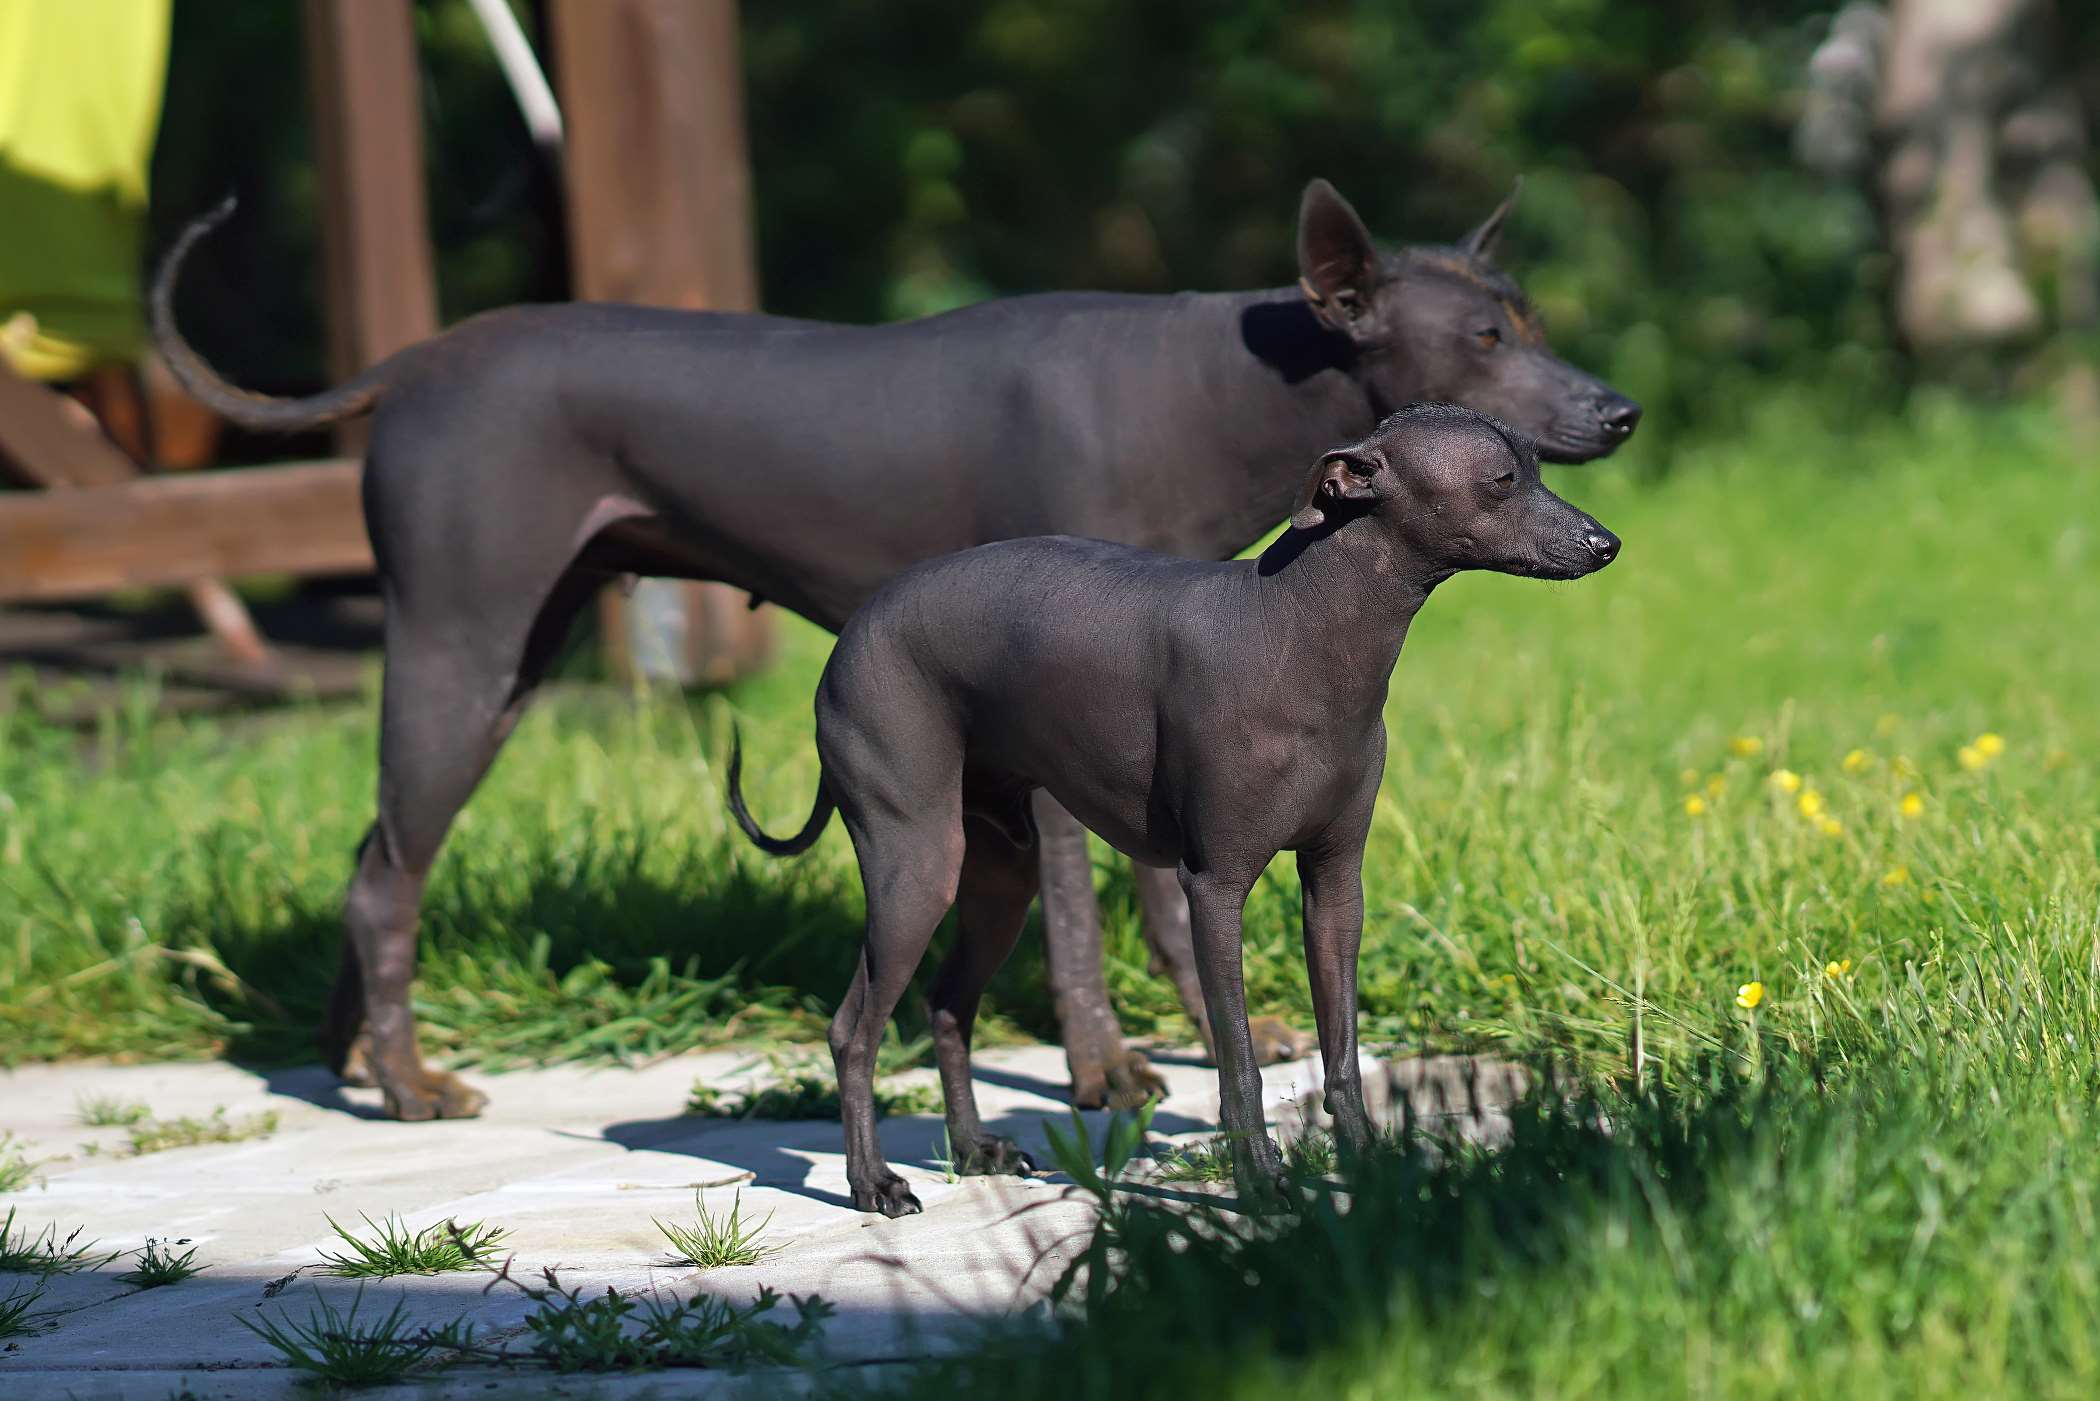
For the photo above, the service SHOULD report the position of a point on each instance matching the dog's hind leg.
(1165, 920)
(454, 689)
(991, 905)
(911, 857)
(1105, 1072)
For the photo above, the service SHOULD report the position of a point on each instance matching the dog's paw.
(1276, 1041)
(1260, 1177)
(432, 1094)
(891, 1195)
(1132, 1082)
(354, 1066)
(994, 1157)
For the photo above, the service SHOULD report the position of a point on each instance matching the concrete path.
(573, 1162)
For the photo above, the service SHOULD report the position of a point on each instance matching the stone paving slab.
(573, 1162)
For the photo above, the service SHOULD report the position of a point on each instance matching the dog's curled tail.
(262, 412)
(819, 812)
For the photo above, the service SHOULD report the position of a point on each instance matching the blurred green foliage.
(915, 156)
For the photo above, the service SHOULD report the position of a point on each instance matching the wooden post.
(659, 201)
(375, 223)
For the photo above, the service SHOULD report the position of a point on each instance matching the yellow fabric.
(80, 94)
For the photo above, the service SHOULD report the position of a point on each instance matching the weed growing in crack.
(14, 1310)
(107, 1111)
(158, 1265)
(331, 1346)
(44, 1253)
(571, 1333)
(16, 1171)
(156, 1135)
(443, 1248)
(805, 1095)
(1210, 1161)
(717, 1241)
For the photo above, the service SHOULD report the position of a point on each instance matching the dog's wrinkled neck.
(1356, 583)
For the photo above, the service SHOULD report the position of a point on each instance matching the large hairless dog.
(526, 456)
(1200, 717)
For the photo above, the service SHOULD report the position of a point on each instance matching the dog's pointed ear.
(1342, 475)
(1481, 243)
(1338, 266)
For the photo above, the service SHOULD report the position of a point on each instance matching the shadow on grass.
(1427, 1228)
(588, 955)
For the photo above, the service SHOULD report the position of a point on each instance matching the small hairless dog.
(1197, 716)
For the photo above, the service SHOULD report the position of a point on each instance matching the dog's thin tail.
(262, 412)
(819, 812)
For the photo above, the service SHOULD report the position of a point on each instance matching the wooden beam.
(381, 290)
(304, 518)
(43, 446)
(659, 195)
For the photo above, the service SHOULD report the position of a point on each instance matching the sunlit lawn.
(1822, 741)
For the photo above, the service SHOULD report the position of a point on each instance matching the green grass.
(713, 1242)
(107, 1111)
(148, 1135)
(16, 1171)
(1210, 1161)
(391, 1248)
(804, 1095)
(1874, 1181)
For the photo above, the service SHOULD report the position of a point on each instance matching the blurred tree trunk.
(1977, 142)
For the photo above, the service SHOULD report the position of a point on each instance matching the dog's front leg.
(1333, 886)
(1216, 901)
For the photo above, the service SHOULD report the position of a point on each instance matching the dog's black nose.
(1602, 543)
(1620, 416)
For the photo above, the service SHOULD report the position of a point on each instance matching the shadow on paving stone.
(900, 1290)
(319, 1086)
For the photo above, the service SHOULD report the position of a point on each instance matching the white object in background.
(521, 69)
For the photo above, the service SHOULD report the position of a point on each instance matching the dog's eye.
(1506, 480)
(1488, 336)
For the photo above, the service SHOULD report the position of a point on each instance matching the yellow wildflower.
(1786, 780)
(1831, 827)
(1913, 805)
(1810, 803)
(1858, 761)
(1688, 777)
(1897, 875)
(1989, 744)
(1695, 806)
(1746, 746)
(1837, 968)
(1749, 995)
(1970, 757)
(1716, 785)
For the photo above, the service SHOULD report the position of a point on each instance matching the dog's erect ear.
(1481, 242)
(1337, 262)
(1342, 475)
